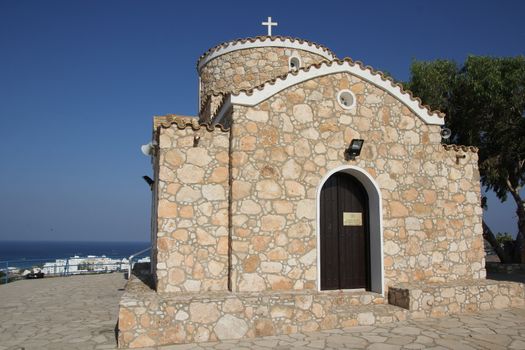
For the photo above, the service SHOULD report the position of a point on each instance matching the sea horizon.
(49, 250)
(72, 241)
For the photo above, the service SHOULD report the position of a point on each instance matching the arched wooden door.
(345, 234)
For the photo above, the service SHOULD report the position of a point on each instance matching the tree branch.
(489, 236)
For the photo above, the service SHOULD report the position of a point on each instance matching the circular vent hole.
(346, 99)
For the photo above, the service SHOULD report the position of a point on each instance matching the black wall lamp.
(354, 149)
(149, 181)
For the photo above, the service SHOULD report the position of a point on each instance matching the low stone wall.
(496, 267)
(149, 319)
(437, 300)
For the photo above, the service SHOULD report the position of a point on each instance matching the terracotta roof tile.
(340, 62)
(182, 122)
(207, 99)
(262, 38)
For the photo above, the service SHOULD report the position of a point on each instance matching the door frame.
(375, 214)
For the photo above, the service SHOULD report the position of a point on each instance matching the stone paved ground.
(77, 312)
(80, 313)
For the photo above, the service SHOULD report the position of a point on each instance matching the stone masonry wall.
(282, 148)
(193, 195)
(148, 319)
(245, 69)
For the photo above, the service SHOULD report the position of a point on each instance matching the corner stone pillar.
(193, 206)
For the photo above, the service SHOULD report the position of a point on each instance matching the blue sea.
(23, 253)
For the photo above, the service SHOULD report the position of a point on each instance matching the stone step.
(446, 298)
(244, 315)
(356, 297)
(367, 315)
(337, 297)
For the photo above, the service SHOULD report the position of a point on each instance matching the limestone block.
(198, 156)
(181, 315)
(271, 267)
(264, 327)
(251, 282)
(301, 229)
(294, 189)
(188, 194)
(250, 207)
(174, 157)
(213, 192)
(306, 208)
(280, 282)
(309, 258)
(272, 222)
(291, 170)
(241, 189)
(142, 341)
(257, 116)
(233, 305)
(303, 113)
(190, 174)
(176, 276)
(230, 327)
(167, 209)
(219, 174)
(277, 254)
(203, 312)
(126, 320)
(391, 248)
(268, 189)
(365, 318)
(205, 238)
(202, 334)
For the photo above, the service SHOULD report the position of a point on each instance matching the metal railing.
(133, 256)
(13, 270)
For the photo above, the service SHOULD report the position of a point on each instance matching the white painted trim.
(199, 95)
(268, 42)
(256, 96)
(376, 224)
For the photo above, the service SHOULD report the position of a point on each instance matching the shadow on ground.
(514, 277)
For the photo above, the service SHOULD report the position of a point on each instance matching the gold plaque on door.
(352, 219)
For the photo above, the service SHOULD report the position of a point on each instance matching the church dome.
(246, 63)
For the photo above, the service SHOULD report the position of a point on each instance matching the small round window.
(294, 63)
(346, 99)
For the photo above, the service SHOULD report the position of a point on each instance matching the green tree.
(484, 100)
(503, 238)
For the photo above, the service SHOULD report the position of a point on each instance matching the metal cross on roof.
(269, 24)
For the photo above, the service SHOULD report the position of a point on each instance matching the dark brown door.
(344, 234)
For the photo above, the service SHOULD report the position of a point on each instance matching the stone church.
(309, 193)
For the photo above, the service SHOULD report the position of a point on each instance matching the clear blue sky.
(81, 80)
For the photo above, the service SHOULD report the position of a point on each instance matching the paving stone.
(70, 313)
(407, 330)
(517, 344)
(384, 347)
(453, 344)
(414, 346)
